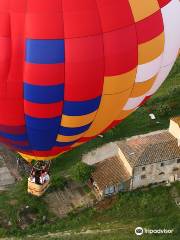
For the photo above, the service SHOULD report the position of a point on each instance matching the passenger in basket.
(32, 177)
(44, 177)
(37, 177)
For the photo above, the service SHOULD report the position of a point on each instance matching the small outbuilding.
(110, 177)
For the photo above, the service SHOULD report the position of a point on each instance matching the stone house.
(138, 161)
(152, 158)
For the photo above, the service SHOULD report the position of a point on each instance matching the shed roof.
(110, 172)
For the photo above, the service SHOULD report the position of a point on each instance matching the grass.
(173, 80)
(115, 236)
(152, 209)
(13, 201)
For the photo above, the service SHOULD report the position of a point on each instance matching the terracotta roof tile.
(110, 172)
(150, 149)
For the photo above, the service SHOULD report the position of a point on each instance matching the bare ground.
(72, 197)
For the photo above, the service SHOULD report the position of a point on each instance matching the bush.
(57, 182)
(163, 110)
(81, 172)
(3, 232)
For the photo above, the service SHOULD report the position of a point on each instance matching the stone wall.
(100, 154)
(156, 172)
(6, 178)
(125, 162)
(174, 129)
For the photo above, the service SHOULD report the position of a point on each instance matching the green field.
(149, 208)
(152, 209)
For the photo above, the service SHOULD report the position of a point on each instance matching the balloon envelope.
(70, 70)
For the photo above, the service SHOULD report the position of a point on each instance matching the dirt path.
(71, 233)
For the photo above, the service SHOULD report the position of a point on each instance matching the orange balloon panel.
(70, 70)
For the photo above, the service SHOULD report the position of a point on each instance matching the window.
(161, 173)
(109, 190)
(175, 169)
(178, 160)
(143, 176)
(143, 168)
(162, 164)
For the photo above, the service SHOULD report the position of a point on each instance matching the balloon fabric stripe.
(71, 70)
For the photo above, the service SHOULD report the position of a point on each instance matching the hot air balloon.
(70, 70)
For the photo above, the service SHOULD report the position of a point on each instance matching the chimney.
(174, 128)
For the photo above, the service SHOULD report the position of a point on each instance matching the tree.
(81, 172)
(163, 110)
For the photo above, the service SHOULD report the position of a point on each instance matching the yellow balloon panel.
(83, 72)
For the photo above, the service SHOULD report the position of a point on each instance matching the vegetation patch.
(81, 172)
(152, 209)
